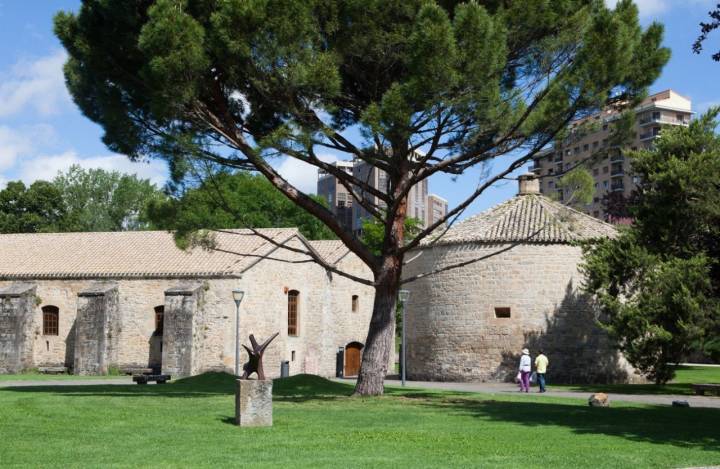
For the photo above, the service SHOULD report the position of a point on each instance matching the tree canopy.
(705, 29)
(238, 83)
(77, 200)
(35, 209)
(659, 282)
(578, 186)
(232, 200)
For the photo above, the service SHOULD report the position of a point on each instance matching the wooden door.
(353, 352)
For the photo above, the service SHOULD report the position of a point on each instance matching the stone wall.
(97, 330)
(17, 303)
(454, 334)
(327, 321)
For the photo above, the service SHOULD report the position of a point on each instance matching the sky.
(42, 132)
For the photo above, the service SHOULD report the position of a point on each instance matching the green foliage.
(373, 232)
(706, 29)
(78, 200)
(233, 200)
(579, 187)
(35, 209)
(99, 200)
(659, 281)
(239, 81)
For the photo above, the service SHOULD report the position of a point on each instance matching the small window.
(51, 320)
(293, 312)
(159, 319)
(355, 303)
(502, 312)
(292, 355)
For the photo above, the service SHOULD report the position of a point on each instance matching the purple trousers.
(525, 381)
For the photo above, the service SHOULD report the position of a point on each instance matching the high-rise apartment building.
(421, 205)
(589, 143)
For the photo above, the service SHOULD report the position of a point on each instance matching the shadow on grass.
(299, 388)
(683, 427)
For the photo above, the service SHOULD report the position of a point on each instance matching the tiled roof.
(330, 250)
(131, 254)
(530, 218)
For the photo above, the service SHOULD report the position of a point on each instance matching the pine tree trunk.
(380, 340)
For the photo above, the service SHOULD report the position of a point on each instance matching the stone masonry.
(519, 285)
(198, 333)
(97, 330)
(183, 329)
(17, 304)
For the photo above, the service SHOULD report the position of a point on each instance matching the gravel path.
(509, 388)
(67, 382)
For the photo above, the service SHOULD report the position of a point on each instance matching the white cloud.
(302, 175)
(654, 8)
(23, 141)
(12, 145)
(38, 85)
(47, 167)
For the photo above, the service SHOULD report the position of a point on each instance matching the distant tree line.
(98, 200)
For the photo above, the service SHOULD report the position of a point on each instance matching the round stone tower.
(508, 279)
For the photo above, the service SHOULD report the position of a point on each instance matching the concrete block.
(253, 403)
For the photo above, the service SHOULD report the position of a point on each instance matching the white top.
(525, 363)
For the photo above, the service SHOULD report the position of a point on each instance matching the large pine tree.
(236, 83)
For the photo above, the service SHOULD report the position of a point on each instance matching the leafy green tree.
(373, 232)
(706, 29)
(35, 209)
(230, 200)
(659, 282)
(579, 186)
(99, 200)
(238, 83)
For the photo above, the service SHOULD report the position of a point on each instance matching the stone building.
(96, 301)
(519, 287)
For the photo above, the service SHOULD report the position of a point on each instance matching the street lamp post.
(238, 297)
(403, 296)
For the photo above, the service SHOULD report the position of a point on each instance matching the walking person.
(525, 368)
(541, 364)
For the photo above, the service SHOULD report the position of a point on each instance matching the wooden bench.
(52, 370)
(701, 388)
(144, 379)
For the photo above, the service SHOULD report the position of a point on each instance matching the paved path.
(509, 388)
(67, 382)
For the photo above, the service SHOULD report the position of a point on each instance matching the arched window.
(293, 296)
(159, 316)
(51, 320)
(355, 303)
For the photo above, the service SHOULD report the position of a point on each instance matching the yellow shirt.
(541, 363)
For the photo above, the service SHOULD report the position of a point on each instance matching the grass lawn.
(189, 423)
(685, 376)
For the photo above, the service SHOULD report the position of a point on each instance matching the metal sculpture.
(254, 364)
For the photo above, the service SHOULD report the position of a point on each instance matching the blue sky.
(42, 132)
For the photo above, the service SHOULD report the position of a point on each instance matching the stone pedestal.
(253, 403)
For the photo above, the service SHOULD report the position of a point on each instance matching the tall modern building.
(588, 143)
(421, 205)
